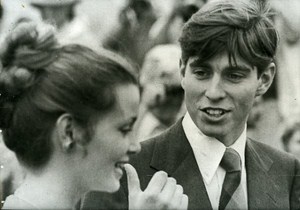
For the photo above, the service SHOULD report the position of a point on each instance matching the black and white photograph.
(150, 104)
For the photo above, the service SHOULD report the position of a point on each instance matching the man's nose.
(215, 90)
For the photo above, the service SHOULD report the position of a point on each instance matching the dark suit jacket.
(273, 177)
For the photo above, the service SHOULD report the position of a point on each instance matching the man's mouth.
(215, 112)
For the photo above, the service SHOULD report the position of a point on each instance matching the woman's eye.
(125, 131)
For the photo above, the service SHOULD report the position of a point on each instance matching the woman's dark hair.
(41, 80)
(238, 27)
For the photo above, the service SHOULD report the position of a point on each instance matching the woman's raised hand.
(162, 192)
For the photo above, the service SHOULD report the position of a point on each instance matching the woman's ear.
(266, 79)
(65, 132)
(70, 134)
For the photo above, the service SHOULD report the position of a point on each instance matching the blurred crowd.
(146, 32)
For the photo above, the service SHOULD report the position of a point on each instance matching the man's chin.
(217, 133)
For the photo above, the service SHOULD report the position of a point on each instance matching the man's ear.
(182, 67)
(266, 79)
(68, 132)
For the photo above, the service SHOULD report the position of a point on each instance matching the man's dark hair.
(238, 27)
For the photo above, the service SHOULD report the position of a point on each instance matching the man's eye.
(235, 77)
(201, 74)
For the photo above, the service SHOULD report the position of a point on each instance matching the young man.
(228, 48)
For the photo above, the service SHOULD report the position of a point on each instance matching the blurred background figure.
(287, 20)
(291, 138)
(100, 16)
(144, 24)
(167, 28)
(71, 28)
(130, 38)
(162, 95)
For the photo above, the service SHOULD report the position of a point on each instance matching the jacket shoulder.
(283, 161)
(160, 141)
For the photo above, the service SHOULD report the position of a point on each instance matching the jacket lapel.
(262, 191)
(173, 154)
(188, 175)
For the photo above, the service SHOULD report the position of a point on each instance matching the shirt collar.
(209, 151)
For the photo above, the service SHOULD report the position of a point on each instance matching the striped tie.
(231, 162)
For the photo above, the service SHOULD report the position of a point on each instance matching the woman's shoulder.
(14, 202)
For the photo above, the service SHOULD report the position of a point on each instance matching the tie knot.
(231, 160)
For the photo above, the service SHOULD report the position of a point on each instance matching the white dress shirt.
(208, 152)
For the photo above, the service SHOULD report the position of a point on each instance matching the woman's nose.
(134, 147)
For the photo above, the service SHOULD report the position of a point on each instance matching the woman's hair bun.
(13, 80)
(26, 51)
(29, 45)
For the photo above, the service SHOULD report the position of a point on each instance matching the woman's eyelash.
(125, 130)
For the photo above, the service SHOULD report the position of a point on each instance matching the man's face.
(219, 96)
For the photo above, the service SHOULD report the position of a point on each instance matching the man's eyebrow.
(239, 68)
(199, 63)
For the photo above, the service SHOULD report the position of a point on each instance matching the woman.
(65, 113)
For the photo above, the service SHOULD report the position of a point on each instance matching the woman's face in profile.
(112, 141)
